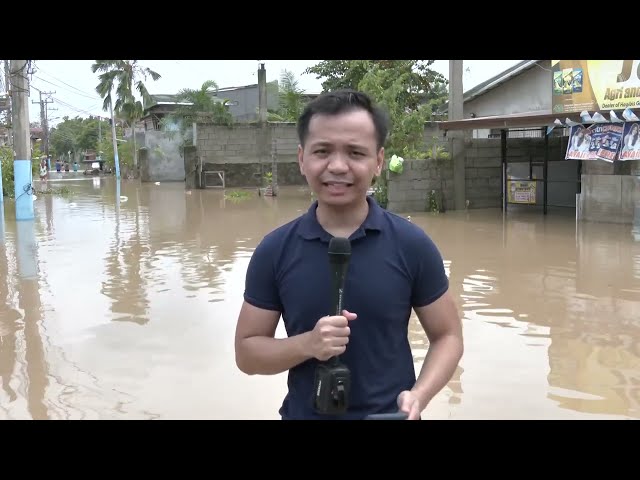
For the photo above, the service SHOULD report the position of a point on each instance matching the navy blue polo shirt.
(394, 266)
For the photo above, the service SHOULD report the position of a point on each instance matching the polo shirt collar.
(310, 229)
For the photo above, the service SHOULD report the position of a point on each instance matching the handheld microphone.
(339, 256)
(333, 379)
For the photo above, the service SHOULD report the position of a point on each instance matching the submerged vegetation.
(61, 191)
(237, 195)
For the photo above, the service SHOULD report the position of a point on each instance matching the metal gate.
(539, 183)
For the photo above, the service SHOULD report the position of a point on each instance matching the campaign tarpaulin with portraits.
(630, 144)
(596, 142)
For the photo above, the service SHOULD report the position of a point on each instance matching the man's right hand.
(330, 336)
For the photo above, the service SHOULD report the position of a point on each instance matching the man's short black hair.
(341, 101)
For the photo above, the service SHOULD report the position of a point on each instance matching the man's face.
(340, 157)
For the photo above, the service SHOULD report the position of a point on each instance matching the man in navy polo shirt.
(394, 268)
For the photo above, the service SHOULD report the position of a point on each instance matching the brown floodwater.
(128, 311)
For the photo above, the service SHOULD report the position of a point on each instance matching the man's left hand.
(408, 402)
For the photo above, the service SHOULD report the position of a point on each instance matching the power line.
(56, 78)
(44, 117)
(72, 107)
(92, 97)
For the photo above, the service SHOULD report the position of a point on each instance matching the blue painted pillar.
(118, 196)
(1, 190)
(117, 162)
(26, 250)
(24, 200)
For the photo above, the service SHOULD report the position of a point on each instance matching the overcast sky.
(74, 83)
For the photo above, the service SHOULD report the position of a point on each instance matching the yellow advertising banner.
(595, 85)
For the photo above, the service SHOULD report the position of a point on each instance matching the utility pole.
(7, 86)
(47, 131)
(21, 140)
(44, 121)
(456, 138)
(7, 77)
(262, 141)
(262, 95)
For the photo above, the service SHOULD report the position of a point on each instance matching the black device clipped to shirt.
(333, 378)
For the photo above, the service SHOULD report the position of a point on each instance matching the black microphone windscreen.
(339, 249)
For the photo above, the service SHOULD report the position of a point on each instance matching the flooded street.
(129, 311)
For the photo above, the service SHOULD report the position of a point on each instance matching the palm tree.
(201, 105)
(204, 104)
(128, 74)
(291, 99)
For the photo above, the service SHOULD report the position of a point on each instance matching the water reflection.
(124, 283)
(550, 314)
(8, 322)
(23, 364)
(30, 304)
(1, 222)
(170, 264)
(130, 308)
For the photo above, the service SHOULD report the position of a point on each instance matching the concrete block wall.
(610, 198)
(601, 167)
(221, 144)
(409, 190)
(244, 152)
(284, 137)
(483, 174)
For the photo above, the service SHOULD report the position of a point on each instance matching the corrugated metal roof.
(513, 120)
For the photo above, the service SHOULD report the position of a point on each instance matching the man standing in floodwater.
(394, 267)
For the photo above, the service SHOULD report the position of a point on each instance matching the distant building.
(242, 103)
(36, 133)
(36, 137)
(523, 88)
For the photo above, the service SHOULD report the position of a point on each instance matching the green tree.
(291, 100)
(126, 77)
(77, 135)
(201, 105)
(204, 105)
(125, 150)
(409, 90)
(406, 135)
(6, 162)
(339, 74)
(421, 84)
